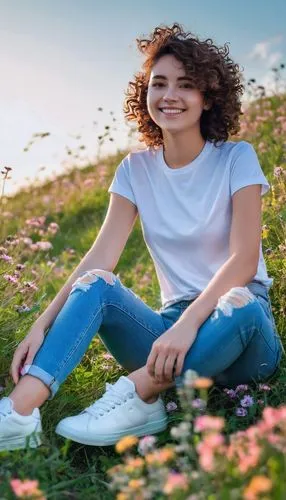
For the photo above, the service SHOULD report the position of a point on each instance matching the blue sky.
(62, 59)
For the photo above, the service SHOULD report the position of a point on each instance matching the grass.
(77, 202)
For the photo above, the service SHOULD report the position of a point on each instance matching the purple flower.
(230, 392)
(171, 406)
(198, 403)
(240, 412)
(241, 387)
(6, 257)
(246, 401)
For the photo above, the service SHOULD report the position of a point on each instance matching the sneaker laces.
(108, 401)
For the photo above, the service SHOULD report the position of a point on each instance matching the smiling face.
(169, 87)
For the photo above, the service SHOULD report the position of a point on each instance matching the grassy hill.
(68, 213)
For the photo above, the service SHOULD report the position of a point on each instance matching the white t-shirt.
(185, 213)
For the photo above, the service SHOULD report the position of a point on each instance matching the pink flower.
(175, 480)
(264, 387)
(26, 488)
(146, 444)
(10, 278)
(5, 257)
(208, 423)
(44, 245)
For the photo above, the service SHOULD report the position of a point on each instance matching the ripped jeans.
(238, 343)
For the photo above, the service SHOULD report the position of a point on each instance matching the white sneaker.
(18, 431)
(119, 412)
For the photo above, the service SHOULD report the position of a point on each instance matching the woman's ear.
(207, 106)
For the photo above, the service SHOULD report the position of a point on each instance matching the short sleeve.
(246, 170)
(121, 183)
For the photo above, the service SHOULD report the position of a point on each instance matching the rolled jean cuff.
(44, 376)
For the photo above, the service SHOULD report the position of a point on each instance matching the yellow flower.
(159, 457)
(258, 484)
(122, 496)
(202, 383)
(136, 484)
(125, 443)
(115, 469)
(134, 463)
(265, 232)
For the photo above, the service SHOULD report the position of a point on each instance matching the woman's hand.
(168, 352)
(27, 350)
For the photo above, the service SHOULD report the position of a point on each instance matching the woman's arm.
(241, 267)
(104, 253)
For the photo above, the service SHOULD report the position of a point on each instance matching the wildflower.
(265, 231)
(122, 496)
(278, 171)
(202, 383)
(181, 431)
(241, 412)
(260, 402)
(44, 245)
(230, 392)
(20, 267)
(29, 284)
(133, 464)
(258, 484)
(241, 387)
(175, 480)
(107, 355)
(6, 257)
(27, 241)
(171, 406)
(198, 403)
(23, 308)
(26, 488)
(53, 228)
(136, 484)
(10, 278)
(159, 457)
(146, 444)
(208, 423)
(264, 387)
(125, 443)
(246, 401)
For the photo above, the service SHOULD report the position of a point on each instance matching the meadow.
(220, 444)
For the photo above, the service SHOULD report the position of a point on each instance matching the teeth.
(173, 111)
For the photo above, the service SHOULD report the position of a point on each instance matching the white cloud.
(263, 51)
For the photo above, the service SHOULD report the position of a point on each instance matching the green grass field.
(77, 203)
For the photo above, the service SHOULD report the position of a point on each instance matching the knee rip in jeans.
(235, 298)
(84, 282)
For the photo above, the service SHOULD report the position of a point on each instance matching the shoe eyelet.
(113, 407)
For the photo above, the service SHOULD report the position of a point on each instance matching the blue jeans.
(231, 349)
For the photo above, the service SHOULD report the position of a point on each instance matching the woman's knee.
(85, 280)
(235, 298)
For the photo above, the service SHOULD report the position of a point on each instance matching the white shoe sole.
(21, 442)
(112, 438)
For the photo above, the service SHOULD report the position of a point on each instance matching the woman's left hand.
(168, 352)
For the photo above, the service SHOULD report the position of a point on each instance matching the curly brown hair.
(213, 73)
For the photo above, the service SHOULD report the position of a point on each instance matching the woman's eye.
(188, 85)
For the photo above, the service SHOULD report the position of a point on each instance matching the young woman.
(198, 197)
